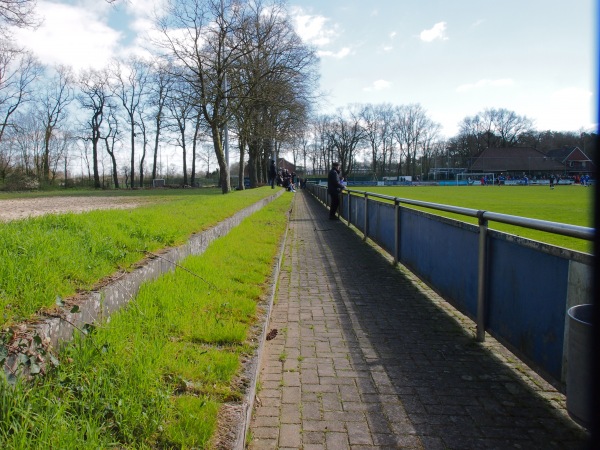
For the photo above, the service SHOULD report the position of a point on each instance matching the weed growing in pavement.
(155, 375)
(58, 255)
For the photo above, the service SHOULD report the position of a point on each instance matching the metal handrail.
(563, 229)
(483, 217)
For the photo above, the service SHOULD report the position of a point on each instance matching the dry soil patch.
(15, 209)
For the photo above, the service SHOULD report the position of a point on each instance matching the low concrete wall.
(99, 305)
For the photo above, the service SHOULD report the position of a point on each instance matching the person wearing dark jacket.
(272, 174)
(334, 187)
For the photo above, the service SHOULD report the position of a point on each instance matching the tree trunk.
(95, 139)
(242, 146)
(194, 150)
(224, 180)
(253, 151)
(132, 174)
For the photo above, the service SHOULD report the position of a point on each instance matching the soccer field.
(572, 204)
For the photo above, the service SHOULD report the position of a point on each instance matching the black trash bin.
(579, 364)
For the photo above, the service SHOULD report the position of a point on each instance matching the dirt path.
(30, 207)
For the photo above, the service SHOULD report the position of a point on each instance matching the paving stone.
(263, 444)
(267, 411)
(291, 413)
(313, 437)
(314, 446)
(359, 434)
(290, 435)
(336, 440)
(265, 433)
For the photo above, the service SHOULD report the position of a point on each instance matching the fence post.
(348, 209)
(481, 276)
(366, 223)
(396, 230)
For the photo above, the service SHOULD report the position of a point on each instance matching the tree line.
(217, 66)
(399, 140)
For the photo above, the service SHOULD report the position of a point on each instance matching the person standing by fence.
(272, 174)
(334, 187)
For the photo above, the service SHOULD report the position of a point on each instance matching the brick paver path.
(366, 357)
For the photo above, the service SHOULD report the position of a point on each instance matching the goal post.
(475, 178)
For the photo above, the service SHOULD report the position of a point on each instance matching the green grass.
(57, 255)
(157, 373)
(564, 204)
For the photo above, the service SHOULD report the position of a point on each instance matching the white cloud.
(388, 47)
(337, 55)
(71, 35)
(486, 83)
(378, 85)
(145, 8)
(437, 32)
(314, 29)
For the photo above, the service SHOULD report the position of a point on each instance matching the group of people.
(335, 184)
(283, 177)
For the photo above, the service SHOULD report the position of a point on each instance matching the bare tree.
(491, 128)
(197, 128)
(508, 125)
(129, 86)
(206, 155)
(279, 74)
(412, 127)
(94, 97)
(346, 133)
(27, 137)
(199, 34)
(378, 126)
(18, 72)
(17, 13)
(181, 109)
(432, 145)
(111, 137)
(55, 98)
(324, 148)
(161, 81)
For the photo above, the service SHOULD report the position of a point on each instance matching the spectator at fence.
(272, 174)
(334, 187)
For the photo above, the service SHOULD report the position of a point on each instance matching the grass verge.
(156, 374)
(57, 255)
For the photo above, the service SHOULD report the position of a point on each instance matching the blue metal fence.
(516, 289)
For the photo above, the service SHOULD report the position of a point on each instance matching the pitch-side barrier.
(516, 289)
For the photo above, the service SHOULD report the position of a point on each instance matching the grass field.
(57, 255)
(565, 204)
(156, 374)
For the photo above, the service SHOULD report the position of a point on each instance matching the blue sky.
(454, 57)
(458, 57)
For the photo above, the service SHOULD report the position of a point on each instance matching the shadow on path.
(423, 379)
